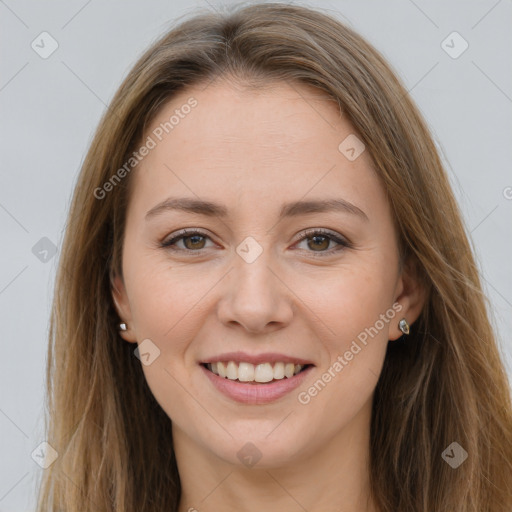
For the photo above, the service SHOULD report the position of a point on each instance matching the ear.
(122, 306)
(410, 294)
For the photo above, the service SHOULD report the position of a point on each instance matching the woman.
(266, 298)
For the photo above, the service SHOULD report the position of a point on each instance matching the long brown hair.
(445, 384)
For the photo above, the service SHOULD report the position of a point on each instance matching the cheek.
(356, 314)
(166, 305)
(350, 300)
(164, 295)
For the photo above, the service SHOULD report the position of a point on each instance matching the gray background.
(50, 108)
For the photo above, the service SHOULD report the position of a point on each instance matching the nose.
(255, 297)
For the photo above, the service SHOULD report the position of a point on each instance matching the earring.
(403, 326)
(123, 326)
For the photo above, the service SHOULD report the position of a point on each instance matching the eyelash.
(310, 233)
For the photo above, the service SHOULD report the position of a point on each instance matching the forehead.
(276, 116)
(283, 140)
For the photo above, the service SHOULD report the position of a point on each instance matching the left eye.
(194, 241)
(321, 239)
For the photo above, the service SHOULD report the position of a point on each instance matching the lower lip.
(255, 394)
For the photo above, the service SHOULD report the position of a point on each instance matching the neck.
(332, 478)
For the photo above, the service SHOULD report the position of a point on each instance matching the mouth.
(267, 378)
(248, 373)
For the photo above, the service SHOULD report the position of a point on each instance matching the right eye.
(193, 241)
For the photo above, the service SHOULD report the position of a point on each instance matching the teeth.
(232, 371)
(279, 371)
(221, 369)
(289, 369)
(263, 373)
(247, 372)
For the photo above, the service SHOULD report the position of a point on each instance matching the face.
(264, 283)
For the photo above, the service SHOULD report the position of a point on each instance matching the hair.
(446, 383)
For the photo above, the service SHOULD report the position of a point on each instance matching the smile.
(256, 383)
(260, 373)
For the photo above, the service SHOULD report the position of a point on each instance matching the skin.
(252, 151)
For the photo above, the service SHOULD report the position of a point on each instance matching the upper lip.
(267, 357)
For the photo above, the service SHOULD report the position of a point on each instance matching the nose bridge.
(254, 279)
(252, 268)
(256, 297)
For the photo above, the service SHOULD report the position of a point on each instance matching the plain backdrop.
(50, 108)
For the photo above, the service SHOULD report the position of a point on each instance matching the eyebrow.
(293, 209)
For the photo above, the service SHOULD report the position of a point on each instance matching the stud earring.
(403, 326)
(123, 326)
